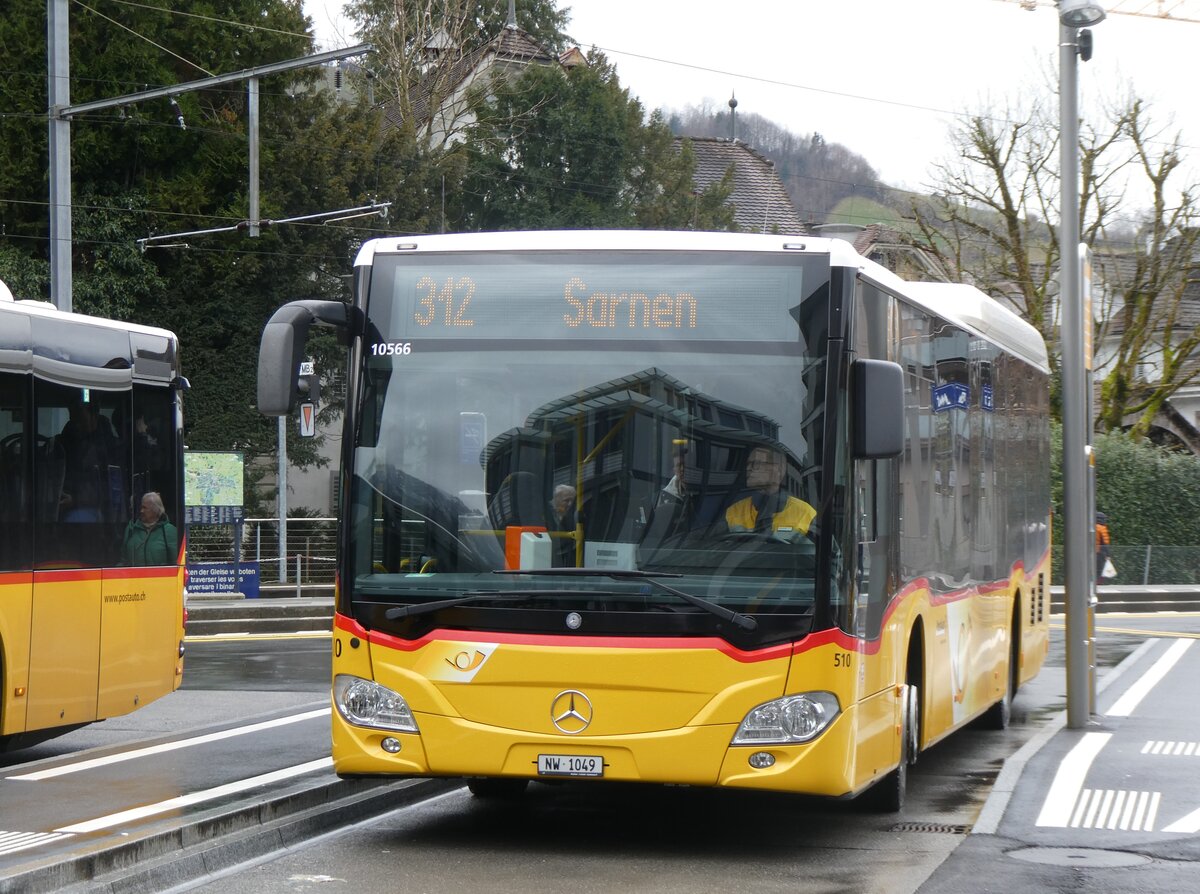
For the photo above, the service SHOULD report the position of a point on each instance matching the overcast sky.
(882, 77)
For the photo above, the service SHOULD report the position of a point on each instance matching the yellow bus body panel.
(81, 645)
(666, 711)
(140, 630)
(16, 613)
(64, 646)
(661, 713)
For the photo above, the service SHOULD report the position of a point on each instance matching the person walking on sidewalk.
(1103, 542)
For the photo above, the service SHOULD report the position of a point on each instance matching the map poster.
(212, 478)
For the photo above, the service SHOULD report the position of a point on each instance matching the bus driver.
(768, 509)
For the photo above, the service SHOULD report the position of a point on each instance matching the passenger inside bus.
(150, 539)
(561, 522)
(769, 509)
(90, 447)
(673, 512)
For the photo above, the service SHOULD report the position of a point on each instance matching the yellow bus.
(725, 510)
(91, 583)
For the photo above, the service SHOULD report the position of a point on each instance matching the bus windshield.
(634, 411)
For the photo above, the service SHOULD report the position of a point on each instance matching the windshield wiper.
(650, 577)
(421, 608)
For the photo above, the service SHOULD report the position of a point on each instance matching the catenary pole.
(58, 63)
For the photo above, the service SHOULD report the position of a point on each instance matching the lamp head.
(1080, 13)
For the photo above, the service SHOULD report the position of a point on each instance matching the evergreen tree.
(570, 149)
(139, 171)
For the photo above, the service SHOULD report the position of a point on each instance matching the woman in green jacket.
(150, 539)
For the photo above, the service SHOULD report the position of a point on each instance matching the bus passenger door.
(64, 645)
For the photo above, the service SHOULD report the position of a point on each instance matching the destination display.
(621, 296)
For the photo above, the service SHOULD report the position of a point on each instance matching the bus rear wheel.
(494, 789)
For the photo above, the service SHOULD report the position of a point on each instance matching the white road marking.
(1189, 825)
(1133, 696)
(221, 791)
(231, 637)
(1068, 781)
(1158, 746)
(92, 763)
(11, 842)
(1123, 810)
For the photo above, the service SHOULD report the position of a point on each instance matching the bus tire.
(999, 715)
(887, 795)
(492, 788)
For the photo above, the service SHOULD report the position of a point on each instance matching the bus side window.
(16, 486)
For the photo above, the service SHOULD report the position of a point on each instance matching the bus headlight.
(794, 718)
(366, 703)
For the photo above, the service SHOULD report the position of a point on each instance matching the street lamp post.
(1079, 551)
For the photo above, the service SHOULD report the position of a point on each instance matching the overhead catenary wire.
(724, 72)
(877, 186)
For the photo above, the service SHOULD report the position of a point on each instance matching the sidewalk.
(215, 616)
(1109, 809)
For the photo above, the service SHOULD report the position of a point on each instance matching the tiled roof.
(1113, 273)
(515, 44)
(761, 204)
(510, 45)
(887, 246)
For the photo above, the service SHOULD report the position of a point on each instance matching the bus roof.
(47, 310)
(959, 303)
(985, 316)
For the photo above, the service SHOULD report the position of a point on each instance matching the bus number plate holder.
(570, 765)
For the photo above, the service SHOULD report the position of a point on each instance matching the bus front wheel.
(888, 794)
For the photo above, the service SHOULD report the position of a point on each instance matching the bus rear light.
(788, 720)
(366, 703)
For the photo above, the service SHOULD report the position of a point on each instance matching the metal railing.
(1145, 565)
(311, 545)
(312, 549)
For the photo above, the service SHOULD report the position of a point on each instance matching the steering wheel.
(766, 537)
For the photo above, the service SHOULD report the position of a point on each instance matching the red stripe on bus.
(814, 640)
(93, 574)
(583, 642)
(148, 571)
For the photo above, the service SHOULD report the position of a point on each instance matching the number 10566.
(391, 348)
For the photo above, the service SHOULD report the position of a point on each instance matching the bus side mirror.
(877, 411)
(281, 351)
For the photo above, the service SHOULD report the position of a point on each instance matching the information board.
(212, 478)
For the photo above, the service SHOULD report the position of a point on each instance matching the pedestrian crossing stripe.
(11, 842)
(1115, 809)
(1158, 746)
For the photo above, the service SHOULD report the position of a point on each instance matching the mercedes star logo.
(571, 712)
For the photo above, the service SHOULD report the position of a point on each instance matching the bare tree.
(993, 216)
(1147, 321)
(428, 54)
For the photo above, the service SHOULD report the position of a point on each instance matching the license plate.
(570, 765)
